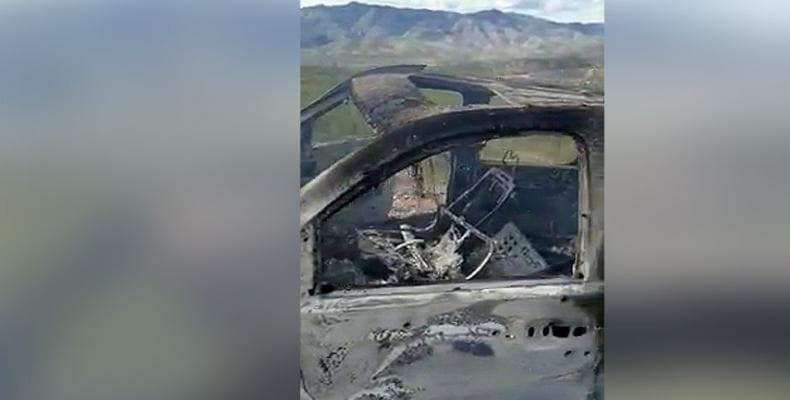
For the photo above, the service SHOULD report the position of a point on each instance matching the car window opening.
(488, 212)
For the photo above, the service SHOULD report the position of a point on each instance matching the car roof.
(406, 122)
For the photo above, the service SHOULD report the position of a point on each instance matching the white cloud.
(557, 10)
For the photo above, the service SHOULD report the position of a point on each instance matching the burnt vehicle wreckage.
(437, 261)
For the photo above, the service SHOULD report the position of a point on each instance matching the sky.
(556, 10)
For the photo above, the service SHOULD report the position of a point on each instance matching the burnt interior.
(480, 220)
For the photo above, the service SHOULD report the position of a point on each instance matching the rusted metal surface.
(450, 343)
(460, 340)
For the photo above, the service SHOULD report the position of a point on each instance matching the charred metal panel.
(308, 256)
(388, 101)
(501, 343)
(595, 143)
(327, 153)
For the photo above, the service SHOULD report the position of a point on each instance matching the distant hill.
(363, 34)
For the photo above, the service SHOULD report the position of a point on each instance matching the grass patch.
(545, 149)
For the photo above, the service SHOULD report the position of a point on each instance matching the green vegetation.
(442, 97)
(548, 150)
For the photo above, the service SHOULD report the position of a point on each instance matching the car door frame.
(356, 173)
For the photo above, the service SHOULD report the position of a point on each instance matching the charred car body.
(458, 252)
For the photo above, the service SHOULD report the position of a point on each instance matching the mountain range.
(358, 34)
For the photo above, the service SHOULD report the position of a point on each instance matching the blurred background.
(144, 146)
(696, 199)
(149, 199)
